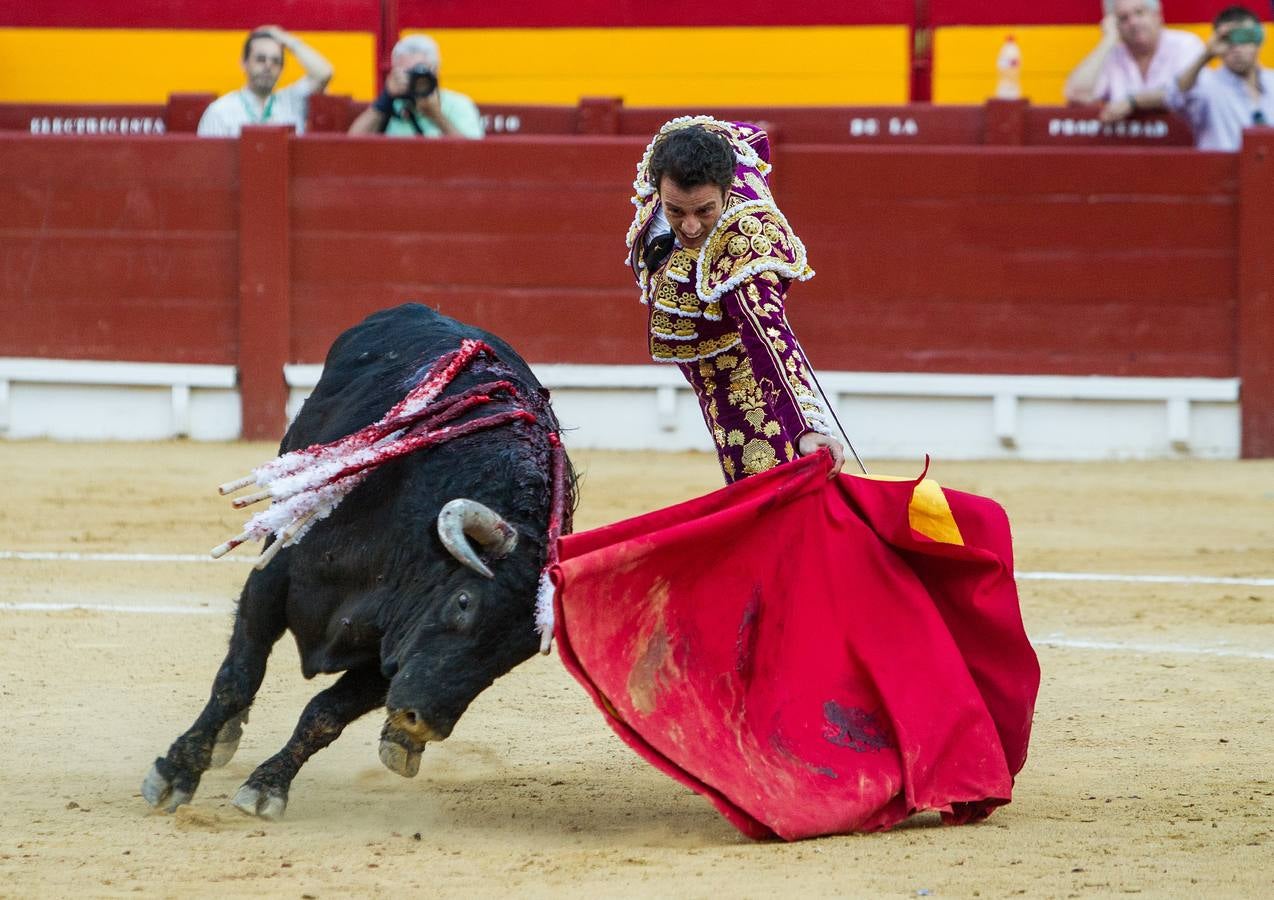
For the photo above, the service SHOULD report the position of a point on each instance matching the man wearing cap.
(1238, 94)
(257, 103)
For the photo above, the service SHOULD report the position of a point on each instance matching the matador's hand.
(812, 441)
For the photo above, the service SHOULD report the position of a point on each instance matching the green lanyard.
(265, 113)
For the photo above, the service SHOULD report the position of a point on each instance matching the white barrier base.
(900, 415)
(888, 415)
(94, 401)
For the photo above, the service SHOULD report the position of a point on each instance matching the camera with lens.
(421, 82)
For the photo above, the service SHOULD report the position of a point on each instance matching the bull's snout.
(403, 739)
(413, 724)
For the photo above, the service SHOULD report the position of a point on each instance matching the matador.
(714, 257)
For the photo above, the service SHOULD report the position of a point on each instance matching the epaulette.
(749, 238)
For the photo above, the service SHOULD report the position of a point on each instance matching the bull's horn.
(463, 517)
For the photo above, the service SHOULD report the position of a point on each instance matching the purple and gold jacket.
(717, 312)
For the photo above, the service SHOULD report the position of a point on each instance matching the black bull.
(373, 591)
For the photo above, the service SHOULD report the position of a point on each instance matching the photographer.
(1221, 102)
(413, 104)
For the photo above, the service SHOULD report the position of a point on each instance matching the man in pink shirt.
(1133, 65)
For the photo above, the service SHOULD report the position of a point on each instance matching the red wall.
(523, 237)
(939, 259)
(119, 248)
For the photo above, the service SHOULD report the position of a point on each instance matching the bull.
(418, 617)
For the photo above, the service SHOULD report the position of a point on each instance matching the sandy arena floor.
(1151, 770)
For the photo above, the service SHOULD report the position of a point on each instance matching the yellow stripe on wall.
(799, 66)
(60, 65)
(964, 59)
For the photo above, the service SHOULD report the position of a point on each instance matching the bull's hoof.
(398, 758)
(268, 803)
(158, 790)
(228, 741)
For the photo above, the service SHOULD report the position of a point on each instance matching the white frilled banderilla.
(304, 486)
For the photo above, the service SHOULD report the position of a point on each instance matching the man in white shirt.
(257, 103)
(1131, 69)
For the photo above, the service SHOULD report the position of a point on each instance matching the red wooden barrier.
(265, 321)
(975, 259)
(1016, 260)
(1254, 327)
(119, 248)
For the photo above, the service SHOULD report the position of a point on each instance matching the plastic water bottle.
(1008, 68)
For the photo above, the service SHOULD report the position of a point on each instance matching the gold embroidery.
(693, 350)
(772, 428)
(727, 466)
(660, 324)
(758, 456)
(677, 297)
(756, 418)
(759, 187)
(735, 438)
(772, 233)
(737, 245)
(761, 245)
(682, 262)
(750, 225)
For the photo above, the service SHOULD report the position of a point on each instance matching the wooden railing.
(257, 252)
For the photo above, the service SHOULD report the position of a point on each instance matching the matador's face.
(692, 212)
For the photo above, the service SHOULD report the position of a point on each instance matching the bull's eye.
(463, 610)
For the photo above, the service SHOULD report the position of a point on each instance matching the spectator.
(1221, 102)
(257, 103)
(1132, 67)
(413, 104)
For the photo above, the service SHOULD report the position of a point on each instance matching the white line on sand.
(1144, 579)
(118, 557)
(118, 608)
(1021, 576)
(1053, 640)
(1144, 647)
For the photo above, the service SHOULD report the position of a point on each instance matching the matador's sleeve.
(778, 365)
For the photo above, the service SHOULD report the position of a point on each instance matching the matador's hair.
(691, 157)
